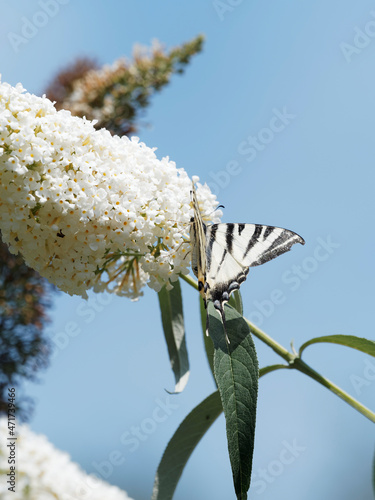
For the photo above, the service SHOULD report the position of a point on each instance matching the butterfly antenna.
(213, 211)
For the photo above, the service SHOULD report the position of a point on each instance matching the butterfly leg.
(185, 242)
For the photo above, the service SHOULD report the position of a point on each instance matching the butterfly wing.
(231, 249)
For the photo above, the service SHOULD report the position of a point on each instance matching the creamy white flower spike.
(89, 210)
(45, 473)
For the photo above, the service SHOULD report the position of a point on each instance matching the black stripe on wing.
(211, 241)
(222, 260)
(229, 237)
(268, 231)
(240, 228)
(254, 239)
(280, 245)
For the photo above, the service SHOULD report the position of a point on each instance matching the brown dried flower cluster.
(115, 95)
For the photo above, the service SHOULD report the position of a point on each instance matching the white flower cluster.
(88, 210)
(46, 473)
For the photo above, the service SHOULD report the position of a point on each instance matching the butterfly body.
(223, 253)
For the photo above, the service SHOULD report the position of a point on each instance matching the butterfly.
(221, 254)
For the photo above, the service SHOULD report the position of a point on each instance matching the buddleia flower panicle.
(88, 210)
(116, 94)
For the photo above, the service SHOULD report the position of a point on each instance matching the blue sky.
(311, 63)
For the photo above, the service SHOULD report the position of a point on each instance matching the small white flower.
(44, 472)
(88, 210)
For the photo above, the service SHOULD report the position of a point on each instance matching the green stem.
(271, 368)
(189, 280)
(307, 370)
(294, 361)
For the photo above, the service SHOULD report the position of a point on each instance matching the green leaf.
(209, 346)
(236, 373)
(182, 444)
(174, 332)
(361, 344)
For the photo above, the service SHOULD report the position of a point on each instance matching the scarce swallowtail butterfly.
(221, 254)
